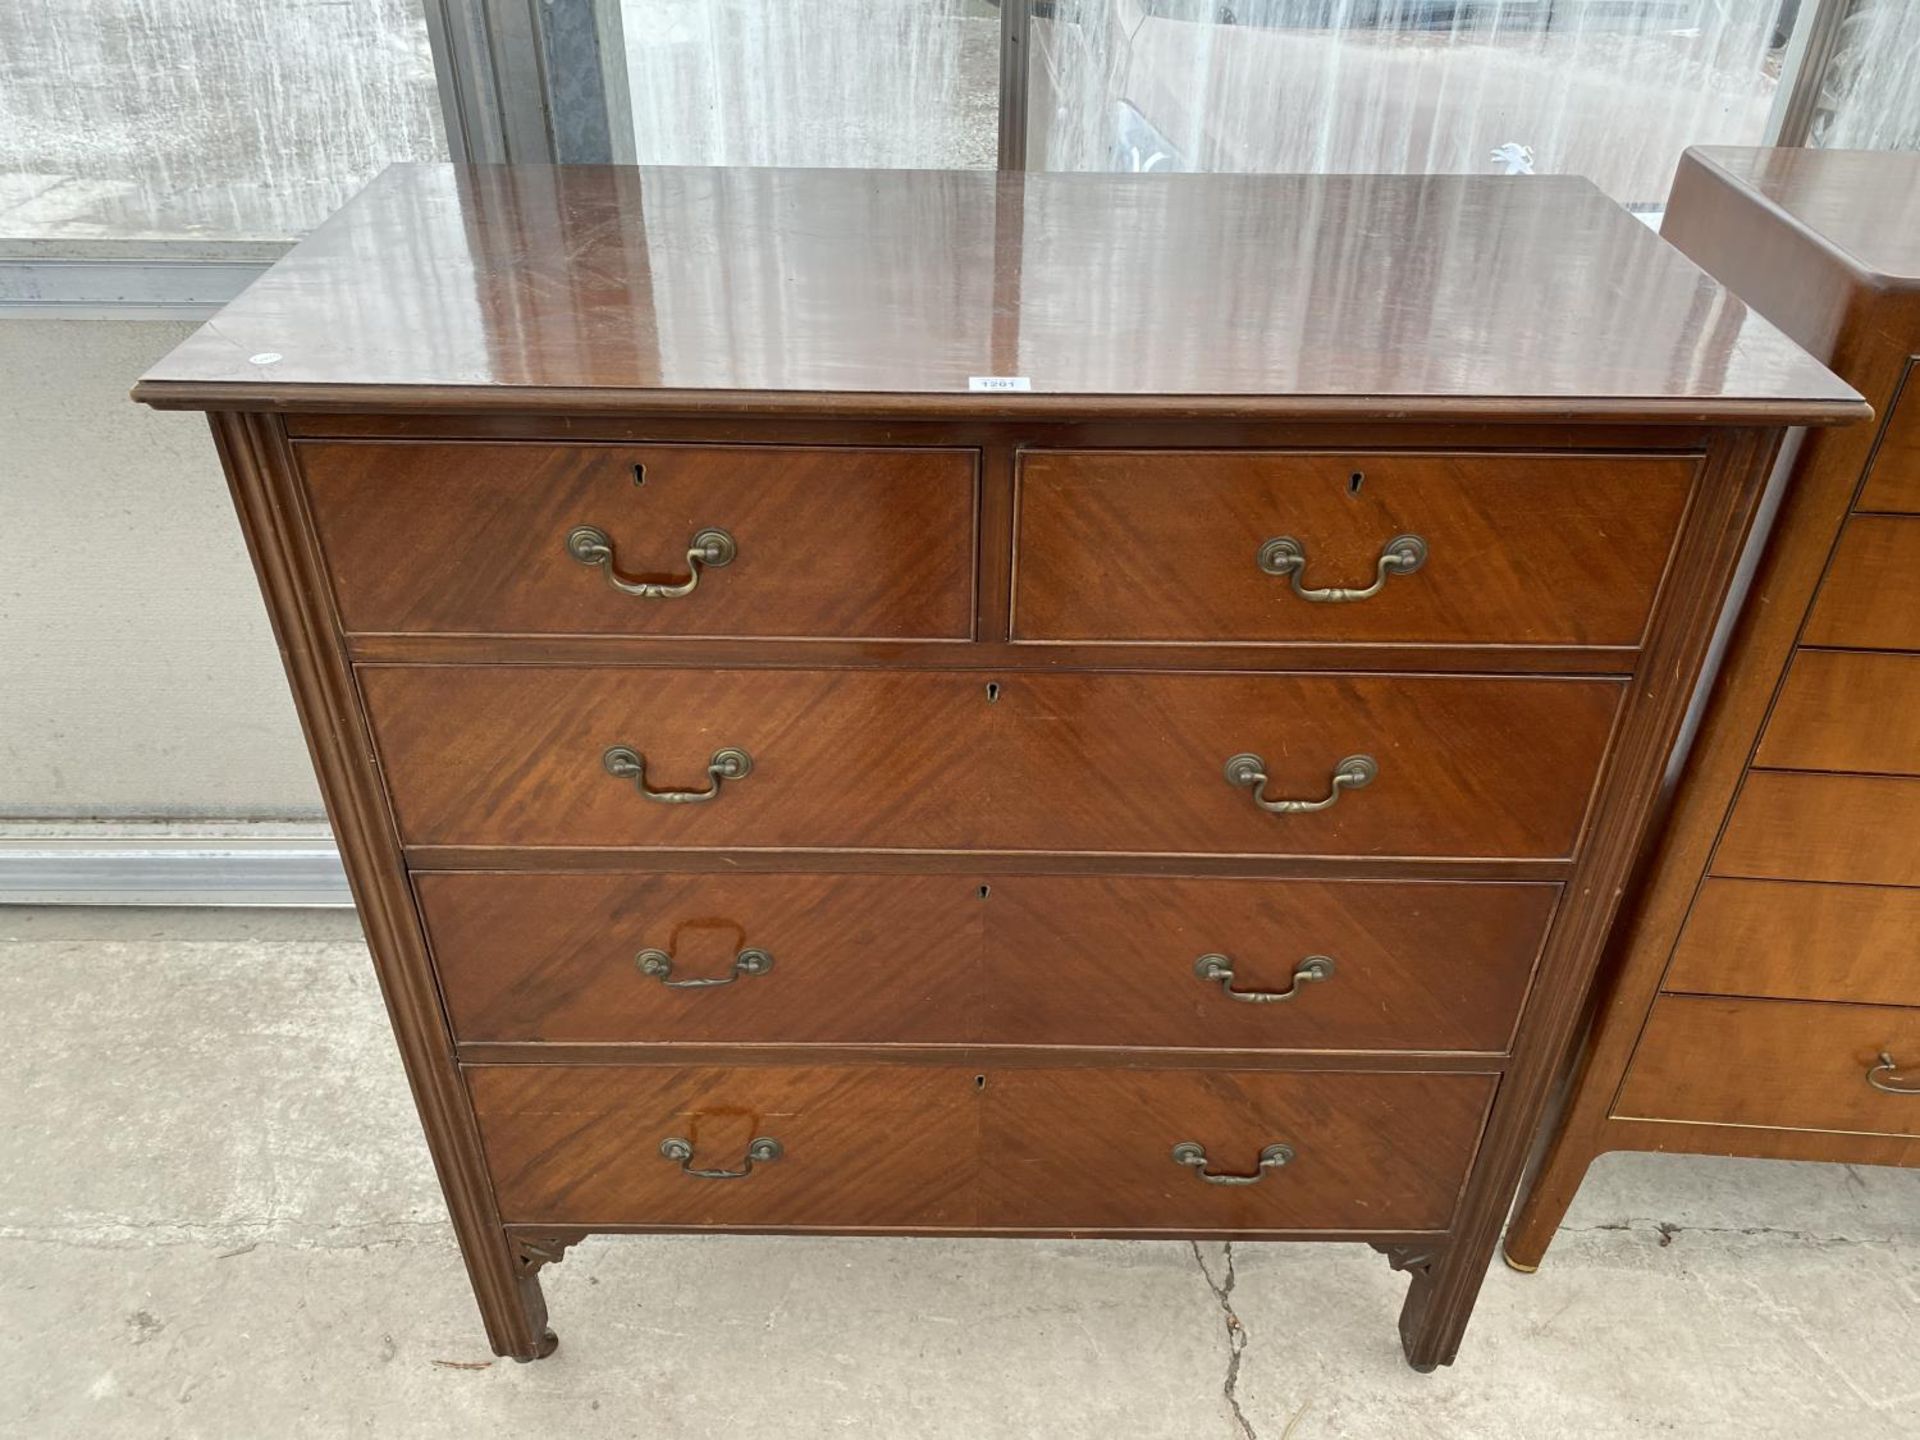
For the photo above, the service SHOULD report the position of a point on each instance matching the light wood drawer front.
(473, 538)
(1471, 766)
(885, 1146)
(875, 1145)
(1846, 710)
(1777, 1063)
(983, 959)
(1870, 598)
(1894, 481)
(1094, 1148)
(1801, 942)
(1520, 549)
(1856, 828)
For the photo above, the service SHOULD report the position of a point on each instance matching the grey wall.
(138, 677)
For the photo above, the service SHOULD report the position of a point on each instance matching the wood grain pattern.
(1094, 1150)
(1773, 1063)
(871, 959)
(1848, 828)
(983, 959)
(1870, 599)
(1788, 230)
(255, 455)
(889, 760)
(708, 292)
(1109, 960)
(468, 538)
(1523, 549)
(1846, 710)
(952, 1146)
(1440, 1299)
(1791, 941)
(864, 1145)
(1893, 481)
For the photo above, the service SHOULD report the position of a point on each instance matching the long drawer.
(1199, 547)
(1851, 828)
(1893, 483)
(469, 538)
(858, 759)
(1776, 1063)
(1117, 961)
(1846, 710)
(1870, 597)
(880, 1146)
(1797, 941)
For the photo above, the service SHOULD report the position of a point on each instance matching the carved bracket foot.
(531, 1253)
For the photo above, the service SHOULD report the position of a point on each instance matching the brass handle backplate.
(1218, 968)
(708, 550)
(659, 964)
(626, 763)
(762, 1150)
(1249, 772)
(1284, 555)
(1886, 1076)
(1194, 1154)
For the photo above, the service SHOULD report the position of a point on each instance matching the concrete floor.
(217, 1219)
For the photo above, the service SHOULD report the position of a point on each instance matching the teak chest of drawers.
(790, 785)
(1763, 996)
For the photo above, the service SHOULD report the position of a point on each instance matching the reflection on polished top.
(763, 290)
(1867, 202)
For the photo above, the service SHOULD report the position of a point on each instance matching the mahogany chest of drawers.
(1763, 998)
(1034, 705)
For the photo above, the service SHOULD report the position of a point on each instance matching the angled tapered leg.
(1547, 1194)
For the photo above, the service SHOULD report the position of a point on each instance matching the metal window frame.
(532, 82)
(1803, 72)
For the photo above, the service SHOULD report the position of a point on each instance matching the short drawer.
(1870, 597)
(1791, 941)
(1186, 547)
(1846, 710)
(1117, 961)
(1776, 1063)
(867, 759)
(1149, 1149)
(1858, 829)
(871, 1146)
(471, 538)
(852, 1146)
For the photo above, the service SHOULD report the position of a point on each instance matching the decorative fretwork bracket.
(1417, 1260)
(532, 1252)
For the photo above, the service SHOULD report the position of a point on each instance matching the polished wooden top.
(1863, 203)
(883, 292)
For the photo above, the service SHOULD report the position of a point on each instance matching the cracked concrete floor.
(217, 1219)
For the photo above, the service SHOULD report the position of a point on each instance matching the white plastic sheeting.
(204, 119)
(814, 82)
(1613, 89)
(1610, 89)
(1870, 95)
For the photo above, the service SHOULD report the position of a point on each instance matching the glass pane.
(205, 119)
(1870, 95)
(814, 82)
(1610, 89)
